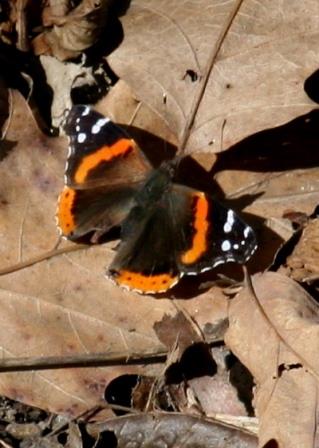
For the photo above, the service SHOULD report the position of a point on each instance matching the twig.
(42, 257)
(82, 360)
(202, 86)
(86, 415)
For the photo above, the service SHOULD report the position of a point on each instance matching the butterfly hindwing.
(210, 234)
(145, 260)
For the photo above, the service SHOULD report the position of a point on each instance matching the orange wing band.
(64, 215)
(104, 154)
(201, 227)
(145, 283)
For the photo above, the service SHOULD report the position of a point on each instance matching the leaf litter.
(255, 135)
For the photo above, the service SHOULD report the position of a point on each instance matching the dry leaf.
(258, 74)
(65, 306)
(227, 391)
(281, 353)
(254, 103)
(303, 264)
(71, 32)
(177, 330)
(172, 431)
(61, 78)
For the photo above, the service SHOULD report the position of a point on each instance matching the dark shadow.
(6, 147)
(89, 92)
(14, 64)
(243, 382)
(195, 362)
(155, 148)
(311, 86)
(106, 439)
(112, 33)
(293, 145)
(119, 392)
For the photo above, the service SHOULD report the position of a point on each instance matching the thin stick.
(82, 360)
(42, 257)
(202, 86)
(100, 359)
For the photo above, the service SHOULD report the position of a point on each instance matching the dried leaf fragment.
(281, 352)
(172, 431)
(303, 263)
(72, 32)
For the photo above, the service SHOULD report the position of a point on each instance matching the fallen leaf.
(172, 430)
(259, 69)
(65, 305)
(226, 392)
(303, 264)
(254, 112)
(70, 31)
(280, 350)
(61, 78)
(177, 330)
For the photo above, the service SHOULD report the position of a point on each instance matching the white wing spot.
(77, 120)
(236, 246)
(99, 124)
(228, 226)
(243, 242)
(247, 232)
(77, 128)
(226, 246)
(86, 111)
(81, 137)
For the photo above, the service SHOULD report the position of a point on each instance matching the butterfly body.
(168, 230)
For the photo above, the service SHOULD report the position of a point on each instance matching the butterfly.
(168, 230)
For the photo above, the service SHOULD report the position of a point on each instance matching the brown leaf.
(303, 263)
(65, 305)
(72, 31)
(254, 104)
(258, 75)
(281, 352)
(221, 393)
(172, 430)
(177, 330)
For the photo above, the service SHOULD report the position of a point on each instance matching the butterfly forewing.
(104, 169)
(100, 152)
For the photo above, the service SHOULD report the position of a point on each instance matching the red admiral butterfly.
(168, 230)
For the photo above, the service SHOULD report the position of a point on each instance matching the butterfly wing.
(185, 233)
(209, 233)
(104, 169)
(145, 260)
